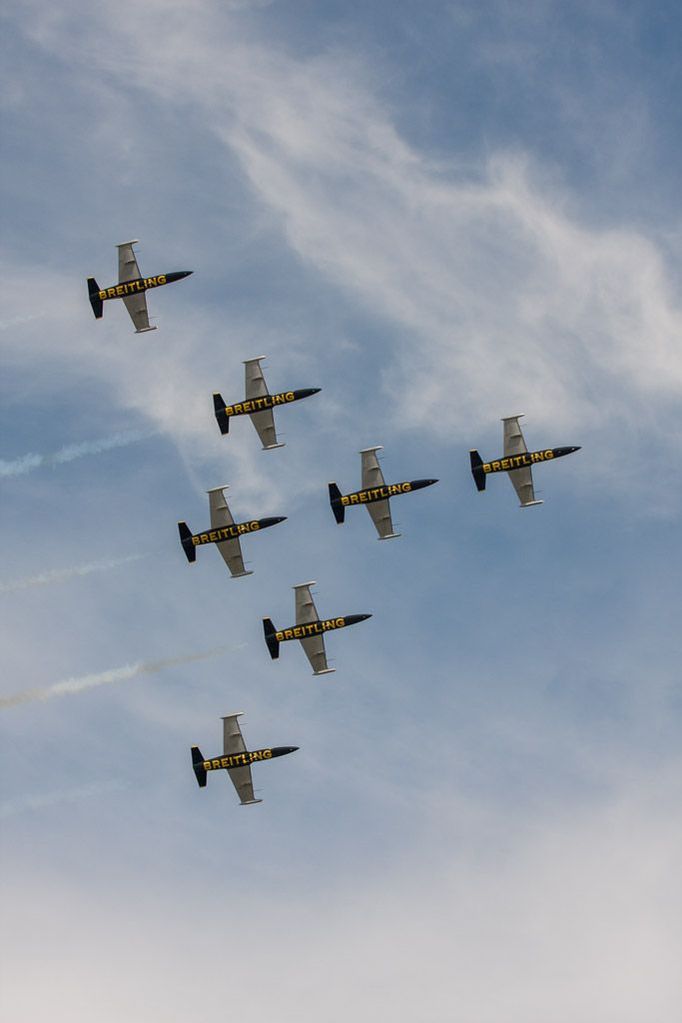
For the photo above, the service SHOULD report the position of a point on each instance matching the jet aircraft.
(309, 630)
(517, 461)
(236, 760)
(374, 494)
(224, 532)
(258, 404)
(131, 287)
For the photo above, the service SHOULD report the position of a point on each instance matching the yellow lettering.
(288, 633)
(354, 499)
(229, 410)
(161, 278)
(111, 292)
(267, 754)
(487, 467)
(363, 496)
(207, 765)
(247, 406)
(298, 633)
(238, 409)
(102, 295)
(279, 636)
(344, 499)
(549, 453)
(204, 539)
(505, 463)
(340, 622)
(216, 764)
(196, 541)
(407, 487)
(496, 466)
(224, 762)
(290, 396)
(212, 537)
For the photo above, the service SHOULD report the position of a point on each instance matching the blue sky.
(441, 215)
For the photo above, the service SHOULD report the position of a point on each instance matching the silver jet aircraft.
(375, 494)
(309, 630)
(224, 533)
(258, 404)
(131, 288)
(236, 760)
(517, 461)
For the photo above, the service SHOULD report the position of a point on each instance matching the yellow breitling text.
(376, 494)
(225, 533)
(237, 759)
(133, 287)
(310, 629)
(518, 461)
(258, 404)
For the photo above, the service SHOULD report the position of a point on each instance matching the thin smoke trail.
(39, 802)
(27, 463)
(58, 575)
(77, 685)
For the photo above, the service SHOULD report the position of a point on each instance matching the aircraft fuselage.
(318, 627)
(526, 458)
(127, 288)
(267, 401)
(229, 761)
(237, 529)
(382, 493)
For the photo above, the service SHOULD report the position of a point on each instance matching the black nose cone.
(278, 518)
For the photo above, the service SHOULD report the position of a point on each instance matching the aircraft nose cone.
(363, 618)
(315, 390)
(279, 518)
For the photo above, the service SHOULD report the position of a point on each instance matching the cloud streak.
(59, 575)
(103, 678)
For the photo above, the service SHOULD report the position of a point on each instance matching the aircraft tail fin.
(477, 470)
(198, 765)
(271, 638)
(223, 419)
(95, 301)
(186, 541)
(335, 502)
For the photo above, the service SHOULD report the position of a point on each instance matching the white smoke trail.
(27, 463)
(76, 685)
(58, 575)
(39, 802)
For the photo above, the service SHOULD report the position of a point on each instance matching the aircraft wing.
(316, 654)
(137, 309)
(128, 270)
(372, 476)
(381, 517)
(233, 742)
(256, 387)
(514, 444)
(305, 605)
(312, 645)
(220, 513)
(230, 550)
(231, 553)
(522, 481)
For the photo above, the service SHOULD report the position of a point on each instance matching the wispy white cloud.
(498, 298)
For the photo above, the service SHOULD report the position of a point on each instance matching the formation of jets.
(226, 534)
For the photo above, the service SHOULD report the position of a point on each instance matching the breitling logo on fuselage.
(376, 493)
(225, 532)
(237, 759)
(518, 461)
(133, 287)
(251, 405)
(310, 629)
